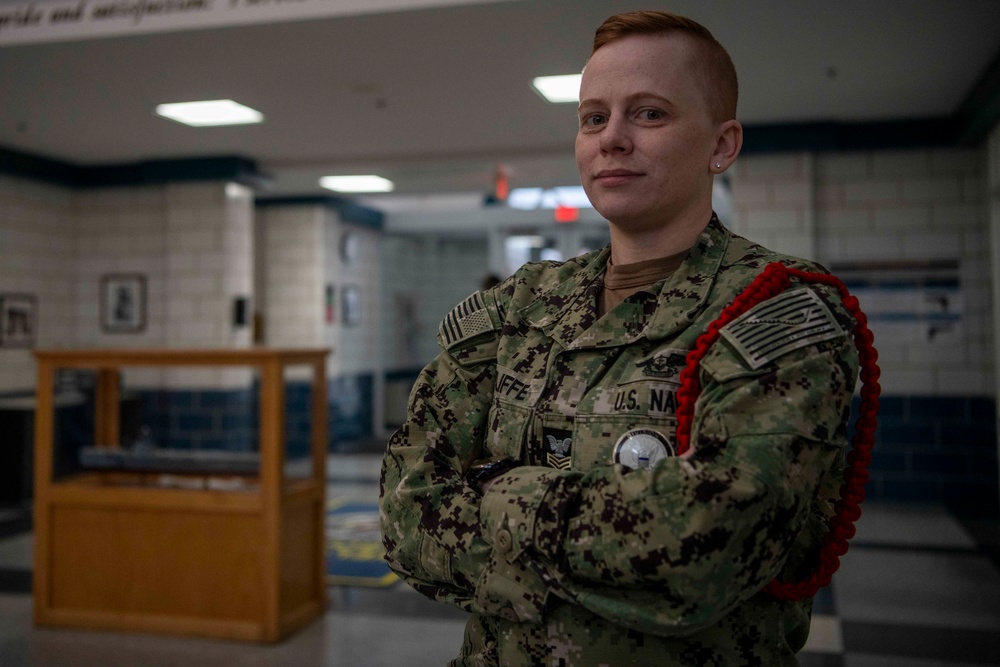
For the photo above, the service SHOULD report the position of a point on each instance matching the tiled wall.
(192, 244)
(842, 208)
(300, 257)
(425, 276)
(37, 250)
(774, 202)
(200, 419)
(357, 347)
(907, 205)
(432, 273)
(917, 205)
(195, 243)
(936, 449)
(291, 273)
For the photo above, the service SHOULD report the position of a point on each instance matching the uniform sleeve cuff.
(514, 507)
(511, 590)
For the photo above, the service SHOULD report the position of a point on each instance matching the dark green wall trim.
(348, 210)
(981, 109)
(149, 172)
(831, 137)
(37, 168)
(404, 374)
(152, 172)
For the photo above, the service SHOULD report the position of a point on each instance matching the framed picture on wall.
(18, 320)
(123, 302)
(351, 305)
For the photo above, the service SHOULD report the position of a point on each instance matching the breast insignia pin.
(641, 448)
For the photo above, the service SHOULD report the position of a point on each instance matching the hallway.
(919, 588)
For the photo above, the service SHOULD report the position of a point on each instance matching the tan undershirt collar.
(622, 281)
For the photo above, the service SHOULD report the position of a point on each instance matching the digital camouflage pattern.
(571, 559)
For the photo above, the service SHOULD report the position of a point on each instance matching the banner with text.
(64, 20)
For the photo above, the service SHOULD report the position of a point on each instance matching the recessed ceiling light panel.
(361, 183)
(209, 113)
(558, 89)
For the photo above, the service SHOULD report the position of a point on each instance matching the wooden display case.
(114, 550)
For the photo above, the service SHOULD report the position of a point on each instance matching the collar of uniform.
(555, 304)
(681, 297)
(685, 292)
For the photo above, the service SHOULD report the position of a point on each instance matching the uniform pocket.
(594, 436)
(507, 431)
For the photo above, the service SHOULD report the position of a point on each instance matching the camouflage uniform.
(572, 559)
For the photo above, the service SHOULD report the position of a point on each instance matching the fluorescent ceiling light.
(530, 199)
(562, 88)
(367, 183)
(210, 112)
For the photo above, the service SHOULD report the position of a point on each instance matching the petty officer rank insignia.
(791, 320)
(466, 320)
(557, 447)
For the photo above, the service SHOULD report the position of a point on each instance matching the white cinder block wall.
(357, 347)
(774, 202)
(434, 272)
(299, 258)
(883, 206)
(191, 241)
(37, 250)
(121, 230)
(291, 274)
(936, 440)
(916, 205)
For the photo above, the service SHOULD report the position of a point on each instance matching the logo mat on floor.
(354, 548)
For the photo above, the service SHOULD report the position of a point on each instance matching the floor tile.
(16, 552)
(338, 639)
(923, 642)
(820, 660)
(918, 588)
(910, 525)
(919, 642)
(865, 660)
(824, 635)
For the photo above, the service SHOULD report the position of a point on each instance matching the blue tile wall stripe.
(928, 450)
(352, 404)
(940, 450)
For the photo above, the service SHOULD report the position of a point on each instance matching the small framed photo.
(123, 302)
(18, 320)
(351, 305)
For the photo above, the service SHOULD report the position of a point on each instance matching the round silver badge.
(641, 448)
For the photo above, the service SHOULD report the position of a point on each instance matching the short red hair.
(717, 72)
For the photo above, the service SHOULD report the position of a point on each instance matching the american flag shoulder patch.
(469, 318)
(789, 321)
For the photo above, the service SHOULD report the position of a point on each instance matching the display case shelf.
(235, 554)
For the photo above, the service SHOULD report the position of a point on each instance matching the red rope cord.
(772, 281)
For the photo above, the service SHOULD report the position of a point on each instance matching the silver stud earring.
(718, 165)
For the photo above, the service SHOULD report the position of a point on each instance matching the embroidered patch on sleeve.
(789, 321)
(467, 319)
